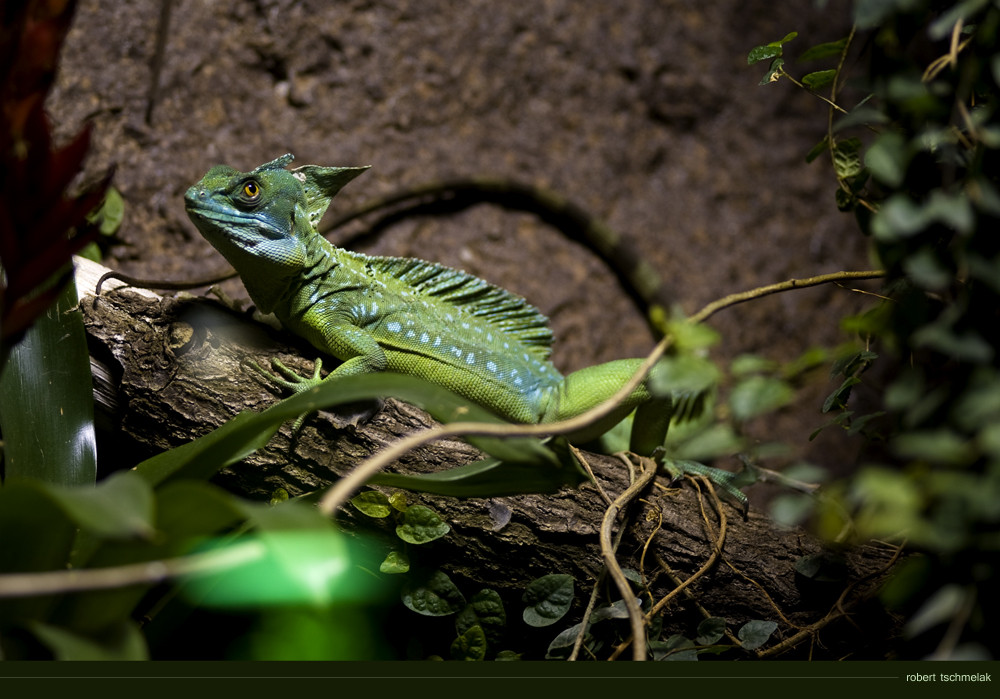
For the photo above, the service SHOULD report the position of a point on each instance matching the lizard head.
(263, 221)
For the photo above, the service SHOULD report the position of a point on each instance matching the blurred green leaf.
(46, 400)
(754, 634)
(120, 506)
(887, 158)
(757, 395)
(121, 641)
(825, 50)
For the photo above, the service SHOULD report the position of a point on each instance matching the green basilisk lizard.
(399, 314)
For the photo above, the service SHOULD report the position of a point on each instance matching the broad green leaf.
(247, 432)
(470, 645)
(823, 567)
(548, 598)
(46, 400)
(751, 364)
(754, 634)
(819, 79)
(683, 374)
(109, 214)
(924, 268)
(762, 53)
(372, 503)
(773, 72)
(421, 525)
(395, 562)
(710, 630)
(757, 395)
(791, 509)
(121, 641)
(120, 506)
(295, 556)
(825, 50)
(677, 648)
(887, 158)
(486, 611)
(847, 158)
(434, 595)
(487, 478)
(822, 147)
(942, 607)
(37, 536)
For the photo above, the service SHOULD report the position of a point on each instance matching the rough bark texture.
(178, 369)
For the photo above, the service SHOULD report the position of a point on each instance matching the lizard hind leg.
(589, 387)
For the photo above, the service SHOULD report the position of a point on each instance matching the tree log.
(176, 367)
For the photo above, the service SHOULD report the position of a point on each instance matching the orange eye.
(251, 190)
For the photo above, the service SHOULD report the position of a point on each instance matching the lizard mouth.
(246, 230)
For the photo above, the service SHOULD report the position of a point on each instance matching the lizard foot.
(348, 414)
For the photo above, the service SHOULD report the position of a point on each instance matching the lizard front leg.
(359, 350)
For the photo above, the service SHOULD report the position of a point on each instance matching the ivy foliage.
(916, 161)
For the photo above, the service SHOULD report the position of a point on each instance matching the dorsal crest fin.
(497, 307)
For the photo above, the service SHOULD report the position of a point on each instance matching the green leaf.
(762, 53)
(485, 610)
(684, 374)
(421, 525)
(847, 158)
(822, 147)
(434, 595)
(395, 562)
(752, 364)
(109, 214)
(121, 641)
(677, 648)
(823, 567)
(119, 507)
(372, 503)
(791, 509)
(47, 400)
(247, 432)
(471, 645)
(773, 72)
(295, 556)
(819, 79)
(710, 630)
(925, 269)
(754, 634)
(757, 395)
(825, 50)
(487, 478)
(942, 607)
(887, 158)
(548, 598)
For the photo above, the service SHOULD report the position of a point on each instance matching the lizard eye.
(251, 190)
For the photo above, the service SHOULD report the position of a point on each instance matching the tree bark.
(174, 368)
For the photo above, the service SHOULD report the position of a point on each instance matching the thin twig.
(644, 478)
